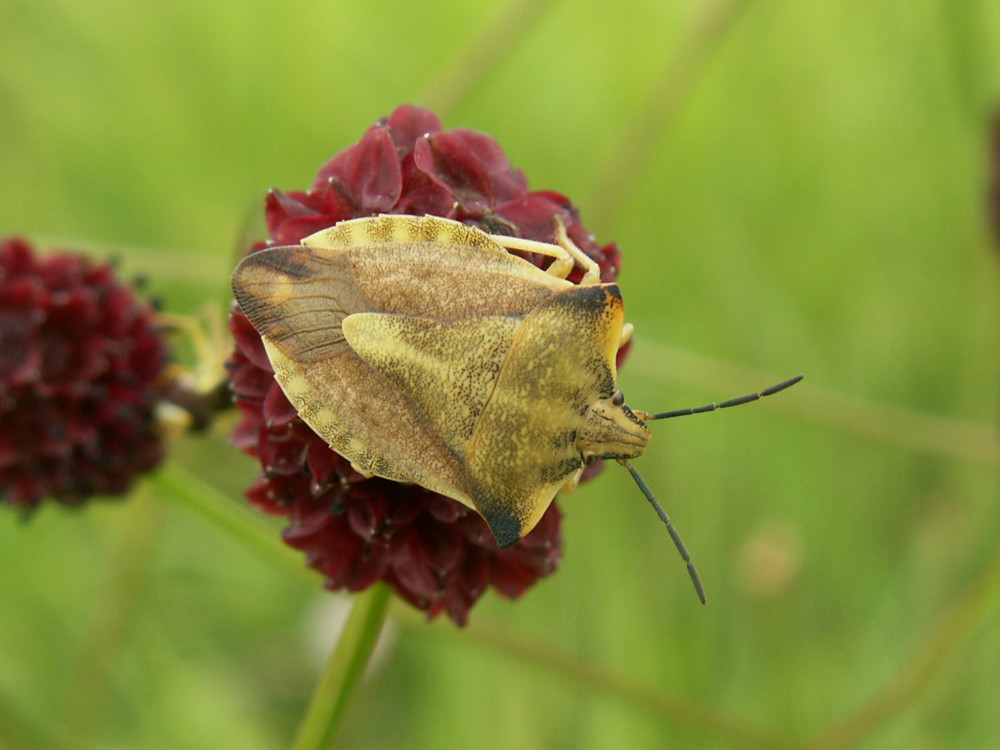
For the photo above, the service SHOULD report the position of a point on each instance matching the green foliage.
(798, 187)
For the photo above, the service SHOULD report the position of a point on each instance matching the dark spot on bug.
(287, 260)
(491, 223)
(506, 528)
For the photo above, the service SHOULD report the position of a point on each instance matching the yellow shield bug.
(423, 351)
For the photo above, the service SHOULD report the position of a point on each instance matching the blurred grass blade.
(915, 675)
(480, 54)
(895, 425)
(238, 521)
(627, 159)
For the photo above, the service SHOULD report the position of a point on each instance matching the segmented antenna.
(674, 534)
(731, 402)
(678, 542)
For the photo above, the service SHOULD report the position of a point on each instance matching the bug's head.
(611, 430)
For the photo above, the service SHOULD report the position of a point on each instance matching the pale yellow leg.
(627, 330)
(208, 337)
(572, 482)
(362, 471)
(565, 253)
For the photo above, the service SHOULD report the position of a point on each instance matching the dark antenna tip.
(731, 402)
(674, 534)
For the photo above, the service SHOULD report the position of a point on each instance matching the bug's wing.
(298, 303)
(524, 447)
(449, 370)
(434, 268)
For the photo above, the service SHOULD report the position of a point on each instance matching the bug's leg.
(562, 262)
(592, 271)
(627, 330)
(572, 482)
(565, 254)
(366, 473)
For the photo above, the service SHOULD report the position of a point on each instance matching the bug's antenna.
(726, 404)
(678, 542)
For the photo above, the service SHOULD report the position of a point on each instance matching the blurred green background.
(796, 187)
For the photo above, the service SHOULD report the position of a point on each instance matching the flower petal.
(369, 172)
(408, 123)
(449, 162)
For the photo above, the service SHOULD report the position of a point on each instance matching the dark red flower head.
(80, 359)
(435, 552)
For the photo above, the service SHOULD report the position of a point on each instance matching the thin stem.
(629, 157)
(483, 51)
(344, 670)
(160, 263)
(217, 507)
(918, 672)
(347, 662)
(943, 436)
(24, 727)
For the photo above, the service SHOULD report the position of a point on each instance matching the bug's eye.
(618, 398)
(590, 459)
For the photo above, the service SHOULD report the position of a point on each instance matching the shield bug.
(423, 351)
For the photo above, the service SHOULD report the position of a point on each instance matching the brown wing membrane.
(297, 300)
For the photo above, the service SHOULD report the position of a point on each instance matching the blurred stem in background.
(239, 521)
(480, 55)
(926, 663)
(628, 157)
(948, 437)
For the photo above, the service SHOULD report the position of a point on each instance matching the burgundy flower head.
(435, 552)
(80, 361)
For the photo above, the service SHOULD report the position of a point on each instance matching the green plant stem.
(344, 670)
(926, 663)
(483, 50)
(347, 662)
(111, 616)
(894, 425)
(21, 727)
(239, 522)
(628, 158)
